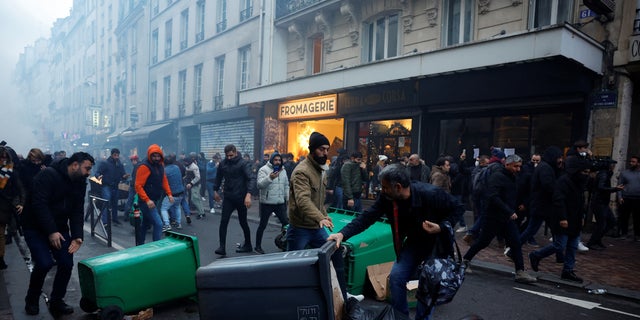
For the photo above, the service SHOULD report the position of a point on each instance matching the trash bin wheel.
(111, 313)
(87, 305)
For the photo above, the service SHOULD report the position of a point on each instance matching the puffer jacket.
(274, 191)
(306, 194)
(237, 176)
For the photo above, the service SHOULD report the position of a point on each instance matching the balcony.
(218, 102)
(197, 106)
(287, 7)
(246, 13)
(221, 26)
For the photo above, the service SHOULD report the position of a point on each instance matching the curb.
(553, 279)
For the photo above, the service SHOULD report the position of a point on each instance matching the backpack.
(480, 181)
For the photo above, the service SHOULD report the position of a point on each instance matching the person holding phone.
(273, 185)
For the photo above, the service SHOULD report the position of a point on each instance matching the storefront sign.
(634, 48)
(308, 108)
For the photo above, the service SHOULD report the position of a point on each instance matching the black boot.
(31, 306)
(221, 250)
(245, 248)
(59, 308)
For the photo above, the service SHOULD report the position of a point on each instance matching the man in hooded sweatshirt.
(151, 181)
(238, 179)
(273, 184)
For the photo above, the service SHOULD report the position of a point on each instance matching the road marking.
(113, 244)
(577, 302)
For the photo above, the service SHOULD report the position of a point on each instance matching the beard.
(320, 160)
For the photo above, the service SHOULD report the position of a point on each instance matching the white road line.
(577, 302)
(113, 244)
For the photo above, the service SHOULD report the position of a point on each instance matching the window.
(166, 97)
(246, 9)
(197, 88)
(134, 39)
(109, 51)
(219, 84)
(200, 21)
(153, 100)
(132, 78)
(167, 38)
(550, 12)
(154, 46)
(317, 55)
(109, 88)
(458, 21)
(243, 59)
(221, 16)
(184, 29)
(382, 36)
(155, 7)
(182, 93)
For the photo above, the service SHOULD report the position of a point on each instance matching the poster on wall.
(400, 142)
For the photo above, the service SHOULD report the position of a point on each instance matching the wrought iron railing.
(287, 7)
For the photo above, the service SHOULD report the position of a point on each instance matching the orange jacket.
(143, 173)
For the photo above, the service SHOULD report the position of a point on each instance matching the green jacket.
(352, 178)
(306, 194)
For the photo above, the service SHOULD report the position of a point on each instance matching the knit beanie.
(316, 140)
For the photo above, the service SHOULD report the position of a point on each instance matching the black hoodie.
(543, 182)
(238, 178)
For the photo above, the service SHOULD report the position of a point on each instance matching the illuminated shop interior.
(299, 132)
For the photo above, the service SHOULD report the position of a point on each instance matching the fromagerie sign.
(309, 107)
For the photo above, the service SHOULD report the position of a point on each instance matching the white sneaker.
(204, 199)
(462, 229)
(582, 247)
(358, 297)
(212, 210)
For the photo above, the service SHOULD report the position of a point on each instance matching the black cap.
(316, 140)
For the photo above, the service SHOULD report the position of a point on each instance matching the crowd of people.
(511, 199)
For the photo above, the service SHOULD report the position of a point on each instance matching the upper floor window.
(166, 97)
(458, 21)
(154, 46)
(550, 12)
(153, 100)
(200, 21)
(221, 16)
(184, 29)
(243, 59)
(182, 93)
(167, 38)
(197, 88)
(155, 7)
(316, 60)
(134, 39)
(246, 9)
(132, 78)
(218, 89)
(382, 36)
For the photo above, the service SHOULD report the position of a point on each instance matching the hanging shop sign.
(309, 108)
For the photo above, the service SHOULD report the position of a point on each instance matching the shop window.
(550, 12)
(298, 133)
(382, 36)
(459, 134)
(458, 21)
(386, 137)
(550, 130)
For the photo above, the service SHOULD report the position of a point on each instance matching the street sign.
(604, 99)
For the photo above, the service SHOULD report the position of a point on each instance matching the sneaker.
(201, 216)
(59, 308)
(221, 251)
(212, 211)
(462, 229)
(258, 250)
(570, 276)
(507, 253)
(166, 228)
(523, 277)
(582, 247)
(244, 249)
(468, 238)
(179, 226)
(535, 261)
(189, 219)
(358, 297)
(467, 266)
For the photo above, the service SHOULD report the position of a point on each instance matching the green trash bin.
(140, 277)
(373, 246)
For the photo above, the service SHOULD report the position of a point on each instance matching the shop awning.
(144, 132)
(116, 133)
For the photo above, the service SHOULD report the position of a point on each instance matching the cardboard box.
(378, 275)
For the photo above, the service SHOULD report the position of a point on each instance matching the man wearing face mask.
(568, 217)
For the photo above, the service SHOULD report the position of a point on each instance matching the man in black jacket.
(238, 181)
(111, 172)
(601, 199)
(501, 216)
(416, 212)
(568, 217)
(53, 228)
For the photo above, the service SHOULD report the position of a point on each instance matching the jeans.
(185, 205)
(228, 205)
(338, 194)
(110, 193)
(172, 210)
(265, 212)
(479, 204)
(493, 227)
(402, 271)
(357, 204)
(561, 242)
(301, 238)
(210, 194)
(535, 222)
(150, 217)
(459, 218)
(43, 255)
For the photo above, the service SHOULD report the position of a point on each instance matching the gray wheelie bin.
(287, 285)
(140, 277)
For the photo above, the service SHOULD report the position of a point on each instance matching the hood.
(154, 148)
(551, 155)
(273, 155)
(61, 166)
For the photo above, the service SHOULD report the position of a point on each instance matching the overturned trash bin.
(287, 285)
(139, 277)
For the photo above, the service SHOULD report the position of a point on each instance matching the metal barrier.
(94, 212)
